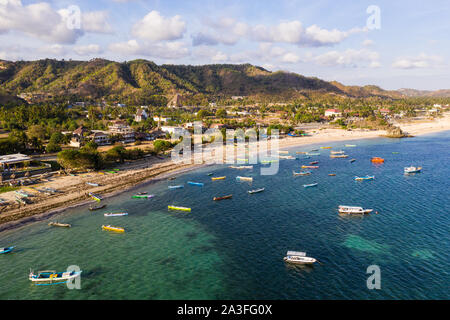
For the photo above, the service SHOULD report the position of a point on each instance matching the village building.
(141, 115)
(121, 128)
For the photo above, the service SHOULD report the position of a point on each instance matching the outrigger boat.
(92, 208)
(222, 198)
(142, 193)
(179, 208)
(210, 174)
(310, 167)
(411, 169)
(284, 152)
(377, 160)
(58, 224)
(337, 152)
(301, 152)
(111, 228)
(310, 185)
(240, 167)
(256, 190)
(314, 162)
(52, 277)
(339, 156)
(92, 184)
(244, 178)
(326, 147)
(218, 178)
(121, 214)
(313, 154)
(176, 187)
(364, 178)
(96, 197)
(352, 160)
(6, 250)
(350, 145)
(287, 157)
(301, 173)
(198, 184)
(332, 174)
(296, 257)
(353, 210)
(22, 193)
(143, 196)
(268, 161)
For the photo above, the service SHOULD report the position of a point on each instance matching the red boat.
(314, 162)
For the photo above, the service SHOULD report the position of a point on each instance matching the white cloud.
(87, 49)
(348, 58)
(96, 22)
(165, 50)
(155, 27)
(367, 42)
(421, 61)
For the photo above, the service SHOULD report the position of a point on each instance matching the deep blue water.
(234, 249)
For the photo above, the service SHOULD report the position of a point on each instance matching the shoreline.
(135, 178)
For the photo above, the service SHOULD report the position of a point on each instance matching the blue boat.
(176, 187)
(310, 185)
(6, 250)
(199, 184)
(364, 178)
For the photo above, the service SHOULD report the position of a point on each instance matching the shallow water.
(233, 249)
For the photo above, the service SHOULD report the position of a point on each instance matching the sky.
(392, 44)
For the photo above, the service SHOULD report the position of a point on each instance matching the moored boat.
(218, 178)
(287, 157)
(176, 187)
(310, 185)
(120, 214)
(111, 228)
(239, 178)
(337, 156)
(350, 145)
(313, 154)
(301, 173)
(314, 162)
(353, 210)
(143, 196)
(92, 184)
(352, 160)
(58, 224)
(377, 160)
(310, 167)
(241, 167)
(296, 257)
(412, 169)
(256, 190)
(6, 250)
(337, 152)
(52, 277)
(179, 208)
(93, 208)
(198, 184)
(325, 147)
(96, 197)
(223, 197)
(364, 178)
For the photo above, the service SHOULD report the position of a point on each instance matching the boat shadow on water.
(300, 268)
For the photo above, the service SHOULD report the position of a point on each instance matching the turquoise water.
(233, 249)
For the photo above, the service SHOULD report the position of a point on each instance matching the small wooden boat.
(337, 152)
(268, 161)
(143, 196)
(313, 154)
(332, 174)
(171, 178)
(198, 184)
(296, 257)
(365, 178)
(242, 160)
(377, 160)
(96, 197)
(179, 208)
(92, 208)
(210, 174)
(350, 145)
(176, 187)
(352, 160)
(92, 184)
(142, 193)
(353, 210)
(53, 277)
(337, 156)
(310, 185)
(222, 198)
(314, 162)
(314, 150)
(326, 147)
(412, 169)
(256, 190)
(218, 178)
(301, 152)
(240, 167)
(283, 152)
(120, 214)
(111, 228)
(239, 178)
(58, 224)
(287, 157)
(3, 202)
(22, 200)
(22, 193)
(301, 173)
(6, 250)
(310, 167)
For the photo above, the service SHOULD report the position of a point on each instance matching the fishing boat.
(337, 156)
(352, 160)
(256, 190)
(296, 257)
(176, 187)
(3, 202)
(314, 150)
(218, 178)
(314, 162)
(6, 250)
(239, 178)
(179, 208)
(364, 178)
(310, 185)
(412, 169)
(325, 147)
(171, 178)
(377, 160)
(198, 184)
(310, 167)
(301, 152)
(222, 198)
(241, 167)
(332, 174)
(287, 157)
(111, 228)
(142, 193)
(268, 161)
(58, 224)
(210, 174)
(22, 193)
(353, 210)
(93, 208)
(350, 145)
(337, 152)
(96, 197)
(242, 160)
(53, 277)
(313, 154)
(92, 184)
(283, 152)
(120, 214)
(22, 200)
(142, 196)
(301, 173)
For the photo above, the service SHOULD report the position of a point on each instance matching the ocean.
(234, 249)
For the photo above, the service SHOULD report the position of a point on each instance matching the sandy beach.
(74, 190)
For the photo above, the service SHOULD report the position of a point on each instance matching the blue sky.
(326, 39)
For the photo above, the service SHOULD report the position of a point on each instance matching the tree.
(52, 147)
(221, 113)
(36, 131)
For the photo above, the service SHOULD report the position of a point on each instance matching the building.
(173, 130)
(16, 166)
(140, 115)
(176, 101)
(101, 138)
(78, 137)
(332, 113)
(121, 128)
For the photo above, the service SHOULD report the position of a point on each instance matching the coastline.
(155, 170)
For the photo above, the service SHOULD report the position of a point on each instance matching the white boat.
(52, 277)
(353, 210)
(120, 214)
(297, 257)
(337, 152)
(241, 167)
(411, 169)
(92, 184)
(244, 178)
(256, 190)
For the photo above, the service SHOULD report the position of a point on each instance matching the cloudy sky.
(393, 44)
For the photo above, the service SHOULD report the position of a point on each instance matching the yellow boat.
(326, 147)
(111, 228)
(218, 178)
(179, 208)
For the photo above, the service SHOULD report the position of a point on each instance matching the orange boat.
(377, 160)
